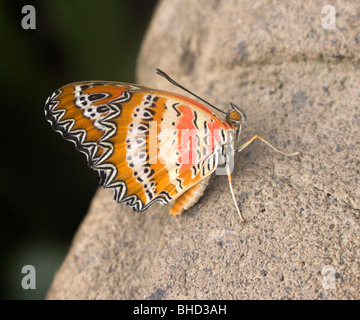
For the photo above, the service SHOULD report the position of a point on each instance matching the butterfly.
(148, 145)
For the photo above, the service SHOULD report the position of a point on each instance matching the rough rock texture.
(299, 87)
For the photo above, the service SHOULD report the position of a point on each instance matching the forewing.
(146, 145)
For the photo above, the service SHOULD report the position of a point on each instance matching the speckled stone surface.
(299, 87)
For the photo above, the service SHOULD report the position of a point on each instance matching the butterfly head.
(235, 118)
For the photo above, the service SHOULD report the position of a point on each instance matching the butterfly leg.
(266, 142)
(186, 200)
(233, 195)
(242, 148)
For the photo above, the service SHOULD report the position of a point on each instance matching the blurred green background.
(46, 186)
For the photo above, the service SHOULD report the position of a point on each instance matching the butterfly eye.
(235, 116)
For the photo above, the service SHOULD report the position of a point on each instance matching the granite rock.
(298, 83)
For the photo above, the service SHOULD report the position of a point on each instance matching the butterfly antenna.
(163, 74)
(233, 195)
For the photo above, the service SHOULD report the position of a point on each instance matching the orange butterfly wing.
(147, 145)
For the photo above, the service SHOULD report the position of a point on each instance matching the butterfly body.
(147, 145)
